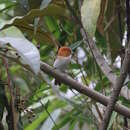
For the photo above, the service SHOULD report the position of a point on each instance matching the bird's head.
(64, 51)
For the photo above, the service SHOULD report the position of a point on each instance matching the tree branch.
(128, 18)
(122, 77)
(11, 102)
(75, 85)
(94, 50)
(83, 89)
(99, 59)
(119, 19)
(116, 91)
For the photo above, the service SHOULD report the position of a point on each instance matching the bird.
(63, 59)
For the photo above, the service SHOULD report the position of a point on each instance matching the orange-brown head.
(64, 51)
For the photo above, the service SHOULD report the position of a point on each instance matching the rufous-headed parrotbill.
(63, 58)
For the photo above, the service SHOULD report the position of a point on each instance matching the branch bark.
(75, 85)
(99, 58)
(13, 113)
(128, 18)
(122, 77)
(116, 90)
(83, 89)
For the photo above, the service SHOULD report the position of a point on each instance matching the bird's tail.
(57, 82)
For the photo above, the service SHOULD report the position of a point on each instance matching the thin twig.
(125, 123)
(98, 111)
(11, 92)
(49, 114)
(112, 19)
(119, 19)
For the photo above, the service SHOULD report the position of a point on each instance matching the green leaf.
(63, 121)
(128, 85)
(113, 117)
(125, 101)
(52, 25)
(51, 10)
(89, 13)
(49, 124)
(72, 115)
(23, 22)
(7, 2)
(41, 36)
(44, 115)
(74, 66)
(75, 45)
(72, 125)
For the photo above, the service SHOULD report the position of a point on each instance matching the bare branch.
(128, 18)
(116, 91)
(99, 59)
(83, 89)
(77, 86)
(124, 71)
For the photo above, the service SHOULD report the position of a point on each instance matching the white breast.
(62, 62)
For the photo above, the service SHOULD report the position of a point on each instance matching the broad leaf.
(90, 11)
(49, 124)
(54, 105)
(28, 52)
(51, 10)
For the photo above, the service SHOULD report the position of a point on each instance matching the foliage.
(47, 25)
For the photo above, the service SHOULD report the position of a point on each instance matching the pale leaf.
(89, 15)
(28, 52)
